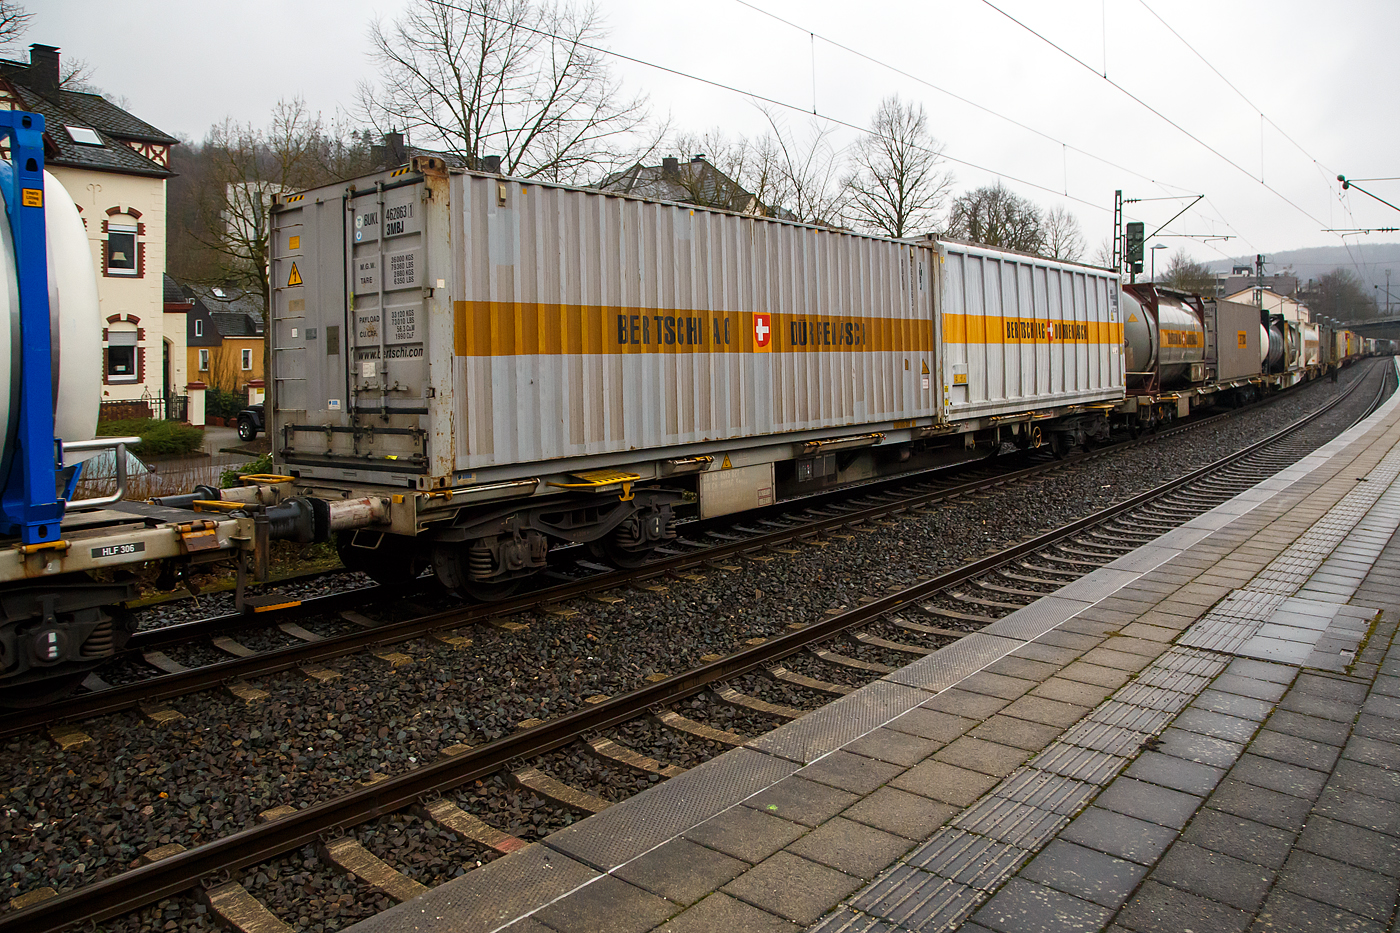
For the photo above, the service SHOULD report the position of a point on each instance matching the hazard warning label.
(294, 278)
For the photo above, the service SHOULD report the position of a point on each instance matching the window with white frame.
(247, 359)
(121, 250)
(204, 361)
(198, 329)
(121, 356)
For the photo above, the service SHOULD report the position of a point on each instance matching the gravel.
(136, 786)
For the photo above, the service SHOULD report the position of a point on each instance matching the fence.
(161, 408)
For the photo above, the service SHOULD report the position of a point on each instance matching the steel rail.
(139, 887)
(166, 686)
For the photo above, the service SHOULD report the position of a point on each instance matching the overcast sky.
(1323, 75)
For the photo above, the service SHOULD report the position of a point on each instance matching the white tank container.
(75, 325)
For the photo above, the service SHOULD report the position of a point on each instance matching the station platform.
(1203, 735)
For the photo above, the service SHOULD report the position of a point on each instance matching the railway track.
(914, 620)
(357, 621)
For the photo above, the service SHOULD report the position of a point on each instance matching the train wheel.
(620, 557)
(396, 561)
(453, 563)
(1059, 446)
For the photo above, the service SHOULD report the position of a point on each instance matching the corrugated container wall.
(1021, 332)
(587, 323)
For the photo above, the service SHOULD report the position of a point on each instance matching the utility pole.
(1118, 231)
(1387, 292)
(1259, 280)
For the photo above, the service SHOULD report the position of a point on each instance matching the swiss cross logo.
(762, 332)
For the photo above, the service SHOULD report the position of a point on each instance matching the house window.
(247, 359)
(203, 360)
(121, 356)
(199, 330)
(121, 250)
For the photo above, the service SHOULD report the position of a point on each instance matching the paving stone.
(1378, 782)
(1262, 670)
(1024, 907)
(607, 905)
(850, 772)
(942, 781)
(918, 899)
(1331, 688)
(801, 801)
(971, 860)
(1086, 873)
(1022, 668)
(1095, 674)
(1379, 705)
(1373, 727)
(997, 685)
(986, 757)
(1358, 809)
(850, 847)
(1116, 834)
(1261, 805)
(963, 703)
(1232, 704)
(1374, 751)
(845, 920)
(1214, 875)
(1294, 750)
(1049, 712)
(1072, 691)
(1158, 908)
(1062, 638)
(897, 748)
(1176, 773)
(1279, 776)
(930, 724)
(1159, 805)
(1249, 687)
(722, 912)
(1321, 707)
(1021, 733)
(1040, 650)
(1126, 643)
(792, 887)
(1285, 912)
(1325, 731)
(1346, 886)
(681, 871)
(1230, 728)
(745, 834)
(1192, 746)
(1242, 838)
(1348, 843)
(901, 812)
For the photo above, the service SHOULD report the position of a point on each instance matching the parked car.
(250, 421)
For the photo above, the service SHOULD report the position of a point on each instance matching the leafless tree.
(1063, 238)
(14, 21)
(512, 78)
(801, 174)
(994, 216)
(897, 188)
(1187, 275)
(219, 205)
(1103, 255)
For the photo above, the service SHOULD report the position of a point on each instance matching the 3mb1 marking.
(119, 550)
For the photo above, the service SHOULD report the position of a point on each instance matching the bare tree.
(14, 21)
(800, 173)
(221, 204)
(1103, 255)
(994, 216)
(1341, 294)
(896, 187)
(1063, 238)
(1185, 274)
(511, 78)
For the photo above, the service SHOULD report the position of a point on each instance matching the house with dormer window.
(114, 166)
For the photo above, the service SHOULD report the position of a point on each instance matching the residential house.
(225, 336)
(694, 182)
(114, 165)
(1274, 303)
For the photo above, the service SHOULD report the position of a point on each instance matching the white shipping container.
(491, 325)
(1020, 332)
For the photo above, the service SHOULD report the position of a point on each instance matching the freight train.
(468, 370)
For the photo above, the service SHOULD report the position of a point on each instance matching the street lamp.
(1154, 260)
